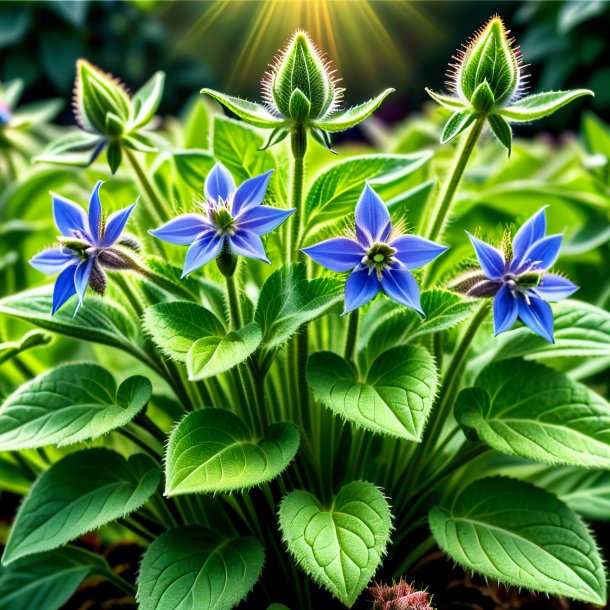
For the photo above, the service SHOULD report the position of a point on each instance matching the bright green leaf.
(34, 338)
(341, 546)
(457, 123)
(147, 99)
(213, 450)
(454, 104)
(250, 112)
(194, 568)
(523, 536)
(501, 130)
(540, 105)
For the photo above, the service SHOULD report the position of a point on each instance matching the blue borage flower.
(89, 243)
(517, 277)
(233, 218)
(378, 258)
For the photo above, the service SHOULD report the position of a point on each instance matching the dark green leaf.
(502, 130)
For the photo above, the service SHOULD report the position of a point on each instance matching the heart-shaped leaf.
(210, 356)
(339, 547)
(78, 494)
(394, 398)
(526, 409)
(213, 450)
(521, 535)
(69, 404)
(194, 568)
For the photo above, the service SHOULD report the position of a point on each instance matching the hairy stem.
(352, 335)
(233, 303)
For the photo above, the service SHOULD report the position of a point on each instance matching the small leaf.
(340, 547)
(76, 148)
(194, 568)
(69, 404)
(482, 100)
(147, 99)
(540, 105)
(114, 155)
(523, 536)
(30, 340)
(78, 494)
(210, 356)
(250, 112)
(340, 121)
(458, 122)
(47, 580)
(394, 398)
(454, 104)
(526, 409)
(174, 327)
(288, 300)
(213, 450)
(300, 106)
(501, 130)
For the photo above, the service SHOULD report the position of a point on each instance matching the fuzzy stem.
(233, 303)
(442, 211)
(352, 335)
(299, 146)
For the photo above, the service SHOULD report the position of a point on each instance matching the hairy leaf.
(69, 404)
(194, 568)
(458, 122)
(34, 338)
(540, 105)
(340, 546)
(250, 112)
(521, 535)
(213, 450)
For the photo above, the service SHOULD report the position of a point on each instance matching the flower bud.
(475, 284)
(489, 58)
(101, 104)
(300, 85)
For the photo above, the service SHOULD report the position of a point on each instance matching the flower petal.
(81, 280)
(360, 287)
(53, 260)
(182, 230)
(206, 247)
(372, 215)
(553, 288)
(95, 212)
(247, 243)
(543, 253)
(490, 258)
(414, 251)
(531, 231)
(337, 254)
(401, 287)
(506, 310)
(538, 316)
(70, 218)
(219, 184)
(251, 193)
(115, 224)
(262, 219)
(64, 287)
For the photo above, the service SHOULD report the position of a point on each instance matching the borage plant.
(260, 444)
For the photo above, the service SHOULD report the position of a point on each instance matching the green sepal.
(323, 138)
(458, 122)
(502, 130)
(250, 112)
(299, 107)
(340, 121)
(275, 137)
(540, 105)
(482, 100)
(77, 148)
(147, 99)
(114, 154)
(447, 101)
(114, 125)
(139, 142)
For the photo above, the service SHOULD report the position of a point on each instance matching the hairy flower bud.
(300, 84)
(399, 596)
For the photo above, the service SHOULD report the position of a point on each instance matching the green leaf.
(210, 356)
(213, 450)
(194, 568)
(250, 112)
(174, 327)
(69, 404)
(288, 300)
(101, 321)
(394, 398)
(78, 494)
(523, 536)
(501, 130)
(340, 546)
(482, 100)
(454, 104)
(457, 123)
(526, 409)
(596, 134)
(34, 338)
(47, 580)
(335, 191)
(340, 121)
(77, 148)
(540, 105)
(114, 155)
(147, 99)
(300, 106)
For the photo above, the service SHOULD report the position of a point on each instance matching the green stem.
(352, 335)
(233, 303)
(299, 145)
(134, 438)
(442, 212)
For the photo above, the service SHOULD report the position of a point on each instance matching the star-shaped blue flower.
(519, 278)
(379, 260)
(88, 243)
(232, 217)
